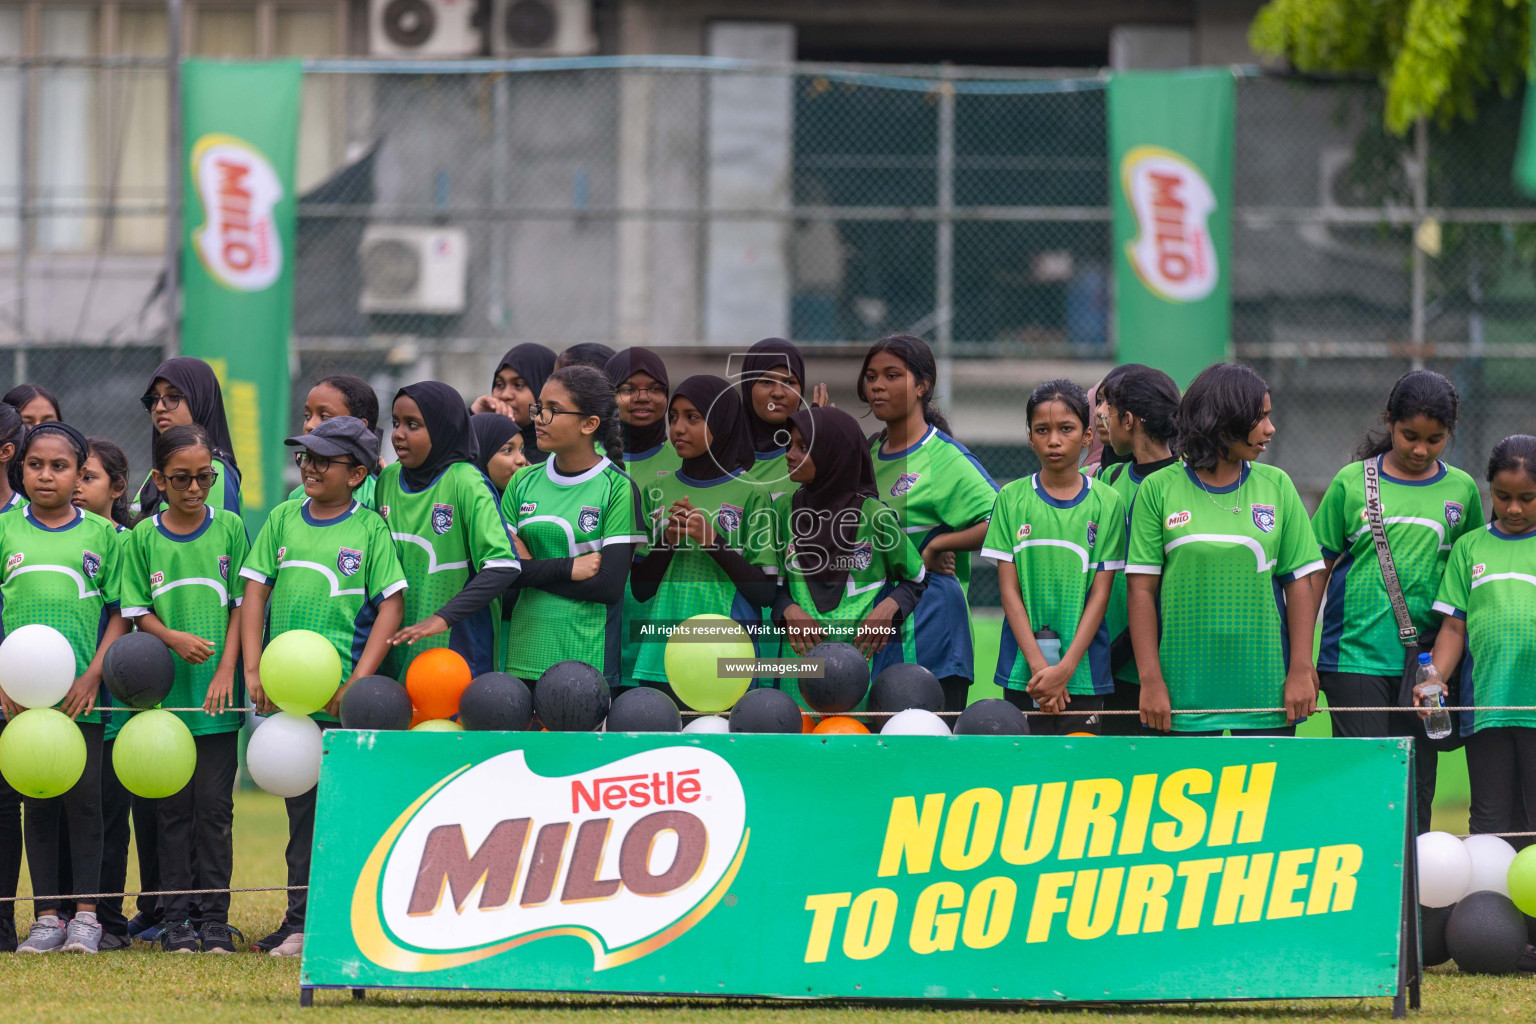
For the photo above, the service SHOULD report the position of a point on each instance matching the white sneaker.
(293, 945)
(45, 936)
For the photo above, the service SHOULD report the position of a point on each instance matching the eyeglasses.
(170, 401)
(181, 481)
(630, 391)
(541, 413)
(320, 463)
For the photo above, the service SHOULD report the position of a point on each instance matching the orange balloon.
(807, 722)
(436, 680)
(841, 725)
(1081, 734)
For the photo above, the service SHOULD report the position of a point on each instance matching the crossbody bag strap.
(1407, 633)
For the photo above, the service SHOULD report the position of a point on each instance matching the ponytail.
(593, 394)
(1416, 393)
(918, 357)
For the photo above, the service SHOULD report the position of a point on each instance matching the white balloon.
(1491, 856)
(1445, 869)
(708, 723)
(37, 666)
(915, 722)
(283, 756)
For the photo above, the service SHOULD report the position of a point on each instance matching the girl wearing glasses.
(640, 382)
(70, 582)
(447, 528)
(515, 386)
(576, 521)
(182, 392)
(181, 584)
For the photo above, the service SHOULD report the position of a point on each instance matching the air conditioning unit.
(413, 270)
(542, 28)
(424, 28)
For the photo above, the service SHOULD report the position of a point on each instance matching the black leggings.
(1501, 765)
(957, 691)
(81, 809)
(1082, 716)
(10, 858)
(196, 838)
(1352, 690)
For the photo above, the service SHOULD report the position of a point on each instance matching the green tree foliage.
(1434, 58)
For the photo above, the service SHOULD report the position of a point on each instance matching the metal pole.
(23, 229)
(944, 244)
(1420, 205)
(501, 115)
(173, 183)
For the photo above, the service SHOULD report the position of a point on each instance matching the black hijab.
(492, 430)
(730, 446)
(619, 369)
(534, 363)
(769, 354)
(447, 420)
(845, 478)
(196, 381)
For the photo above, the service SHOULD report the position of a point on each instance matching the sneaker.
(111, 943)
(82, 937)
(179, 938)
(217, 937)
(274, 940)
(45, 936)
(141, 927)
(293, 945)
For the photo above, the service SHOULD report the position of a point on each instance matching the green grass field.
(143, 984)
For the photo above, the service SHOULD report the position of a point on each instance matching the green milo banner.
(859, 867)
(1170, 145)
(240, 122)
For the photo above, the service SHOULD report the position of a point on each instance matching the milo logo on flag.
(238, 242)
(626, 857)
(1172, 202)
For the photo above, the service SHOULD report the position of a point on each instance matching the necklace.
(1235, 509)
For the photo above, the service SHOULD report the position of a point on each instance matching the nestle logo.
(653, 790)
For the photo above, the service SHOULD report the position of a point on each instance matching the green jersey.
(66, 577)
(326, 575)
(363, 495)
(445, 535)
(645, 469)
(695, 584)
(559, 516)
(1124, 480)
(1423, 520)
(191, 582)
(1224, 641)
(770, 471)
(1057, 548)
(1490, 581)
(225, 493)
(18, 500)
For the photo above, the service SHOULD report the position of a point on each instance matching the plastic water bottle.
(1438, 725)
(1050, 644)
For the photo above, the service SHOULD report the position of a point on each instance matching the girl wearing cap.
(448, 530)
(515, 386)
(184, 391)
(343, 395)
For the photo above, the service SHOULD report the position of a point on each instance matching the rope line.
(157, 892)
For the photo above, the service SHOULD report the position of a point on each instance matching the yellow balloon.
(437, 725)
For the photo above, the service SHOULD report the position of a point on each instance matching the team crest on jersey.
(863, 556)
(156, 579)
(224, 567)
(729, 517)
(1479, 569)
(90, 561)
(349, 560)
(1453, 512)
(1176, 520)
(587, 519)
(442, 518)
(1264, 517)
(527, 508)
(14, 561)
(1093, 533)
(1024, 529)
(903, 484)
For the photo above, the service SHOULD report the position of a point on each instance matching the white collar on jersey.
(561, 480)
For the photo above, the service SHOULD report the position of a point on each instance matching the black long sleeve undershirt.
(487, 585)
(906, 594)
(554, 575)
(751, 581)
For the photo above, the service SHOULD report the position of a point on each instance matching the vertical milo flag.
(240, 123)
(1170, 145)
(1525, 156)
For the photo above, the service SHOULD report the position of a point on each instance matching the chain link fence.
(450, 211)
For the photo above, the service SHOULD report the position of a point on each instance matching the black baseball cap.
(338, 436)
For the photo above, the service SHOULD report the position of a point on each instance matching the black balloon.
(991, 717)
(376, 702)
(766, 709)
(906, 685)
(644, 709)
(496, 702)
(1486, 934)
(571, 696)
(844, 680)
(1432, 922)
(138, 670)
